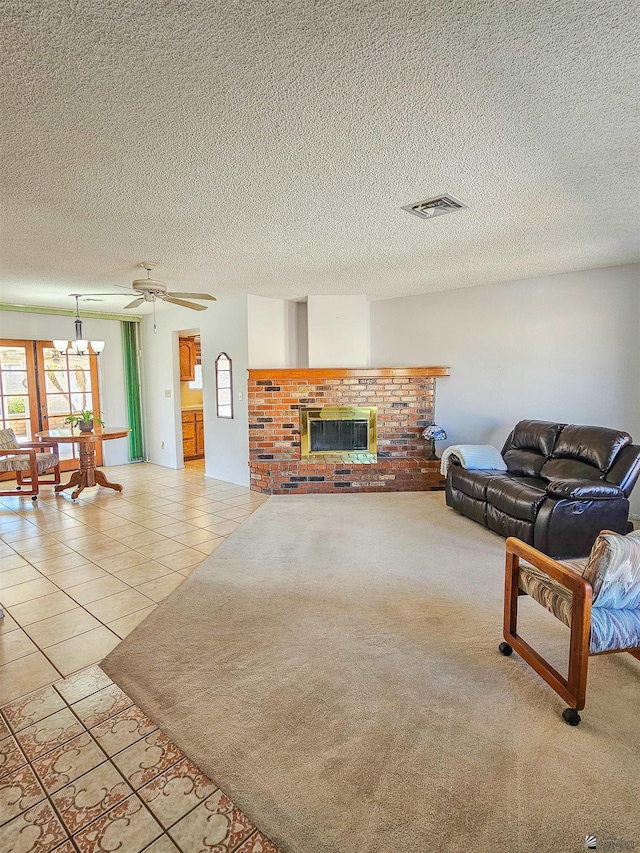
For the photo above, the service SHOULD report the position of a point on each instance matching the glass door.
(18, 389)
(67, 384)
(39, 388)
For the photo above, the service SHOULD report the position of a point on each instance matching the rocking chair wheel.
(505, 649)
(571, 716)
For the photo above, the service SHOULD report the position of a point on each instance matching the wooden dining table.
(87, 474)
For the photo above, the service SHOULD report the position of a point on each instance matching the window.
(196, 383)
(224, 388)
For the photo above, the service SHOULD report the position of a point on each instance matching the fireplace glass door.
(338, 429)
(338, 436)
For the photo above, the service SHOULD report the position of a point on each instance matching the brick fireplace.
(403, 401)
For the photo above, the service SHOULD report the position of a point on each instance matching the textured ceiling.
(267, 147)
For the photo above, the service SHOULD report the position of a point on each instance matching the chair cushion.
(44, 461)
(519, 497)
(612, 627)
(549, 593)
(8, 440)
(613, 570)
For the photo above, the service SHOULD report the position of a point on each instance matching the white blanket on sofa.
(484, 457)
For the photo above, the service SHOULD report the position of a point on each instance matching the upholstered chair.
(28, 463)
(598, 598)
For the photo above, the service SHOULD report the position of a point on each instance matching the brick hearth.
(404, 398)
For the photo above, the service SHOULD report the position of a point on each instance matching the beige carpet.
(334, 667)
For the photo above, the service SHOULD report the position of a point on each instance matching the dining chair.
(598, 598)
(29, 464)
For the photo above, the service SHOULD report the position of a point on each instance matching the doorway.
(191, 398)
(39, 389)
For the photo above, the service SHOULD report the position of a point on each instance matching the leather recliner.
(564, 484)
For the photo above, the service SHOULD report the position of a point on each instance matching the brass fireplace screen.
(338, 429)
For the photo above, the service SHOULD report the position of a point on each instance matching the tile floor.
(81, 768)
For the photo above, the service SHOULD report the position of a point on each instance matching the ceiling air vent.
(433, 207)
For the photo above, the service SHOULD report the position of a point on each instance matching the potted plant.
(83, 420)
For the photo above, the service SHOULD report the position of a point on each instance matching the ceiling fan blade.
(193, 296)
(135, 303)
(185, 304)
(84, 295)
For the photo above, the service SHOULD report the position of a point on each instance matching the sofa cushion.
(506, 525)
(594, 446)
(527, 463)
(537, 436)
(519, 497)
(473, 483)
(472, 508)
(569, 469)
(584, 490)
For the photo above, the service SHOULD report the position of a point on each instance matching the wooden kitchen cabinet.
(193, 434)
(187, 359)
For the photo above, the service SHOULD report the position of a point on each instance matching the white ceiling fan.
(150, 290)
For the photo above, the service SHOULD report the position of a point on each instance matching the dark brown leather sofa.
(564, 484)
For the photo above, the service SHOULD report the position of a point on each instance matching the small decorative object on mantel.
(84, 421)
(224, 386)
(433, 433)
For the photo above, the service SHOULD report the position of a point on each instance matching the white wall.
(271, 326)
(338, 331)
(301, 356)
(21, 325)
(223, 327)
(560, 348)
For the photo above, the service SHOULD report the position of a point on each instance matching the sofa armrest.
(586, 490)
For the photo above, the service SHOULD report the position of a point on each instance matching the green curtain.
(132, 386)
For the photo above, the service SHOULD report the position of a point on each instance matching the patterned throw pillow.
(613, 570)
